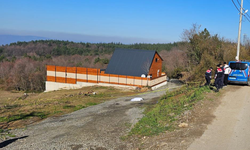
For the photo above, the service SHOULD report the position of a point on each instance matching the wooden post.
(100, 76)
(55, 73)
(76, 75)
(87, 74)
(66, 75)
(97, 75)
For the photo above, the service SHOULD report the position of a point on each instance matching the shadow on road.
(7, 142)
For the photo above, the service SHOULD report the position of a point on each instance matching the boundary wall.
(77, 77)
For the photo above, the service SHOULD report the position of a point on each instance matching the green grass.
(1, 131)
(57, 112)
(41, 115)
(163, 115)
(5, 133)
(11, 106)
(78, 107)
(91, 104)
(68, 106)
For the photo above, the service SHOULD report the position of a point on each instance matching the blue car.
(239, 72)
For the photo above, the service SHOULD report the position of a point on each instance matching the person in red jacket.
(208, 76)
(218, 77)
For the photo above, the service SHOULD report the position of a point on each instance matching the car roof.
(246, 61)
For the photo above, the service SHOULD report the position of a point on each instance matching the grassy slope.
(164, 114)
(16, 109)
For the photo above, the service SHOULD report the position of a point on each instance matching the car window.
(238, 66)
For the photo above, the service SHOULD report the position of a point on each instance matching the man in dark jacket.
(208, 76)
(218, 75)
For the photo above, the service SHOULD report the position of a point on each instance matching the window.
(156, 59)
(238, 66)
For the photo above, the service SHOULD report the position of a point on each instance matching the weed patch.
(68, 106)
(163, 115)
(91, 104)
(78, 107)
(5, 133)
(41, 115)
(11, 106)
(74, 108)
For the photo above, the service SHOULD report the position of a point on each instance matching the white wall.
(159, 85)
(53, 86)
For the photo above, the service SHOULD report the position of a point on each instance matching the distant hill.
(58, 48)
(7, 39)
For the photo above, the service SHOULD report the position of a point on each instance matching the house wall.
(155, 66)
(70, 77)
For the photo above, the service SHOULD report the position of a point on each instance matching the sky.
(125, 21)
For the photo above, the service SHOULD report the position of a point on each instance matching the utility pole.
(239, 32)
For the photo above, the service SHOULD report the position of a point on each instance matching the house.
(135, 62)
(128, 68)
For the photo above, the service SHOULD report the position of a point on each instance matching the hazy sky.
(126, 21)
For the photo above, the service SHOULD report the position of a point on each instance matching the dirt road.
(97, 127)
(230, 129)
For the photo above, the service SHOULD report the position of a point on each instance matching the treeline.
(49, 48)
(23, 74)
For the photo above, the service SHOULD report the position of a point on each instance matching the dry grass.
(17, 110)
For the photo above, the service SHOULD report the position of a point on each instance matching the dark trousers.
(218, 83)
(222, 80)
(225, 79)
(208, 80)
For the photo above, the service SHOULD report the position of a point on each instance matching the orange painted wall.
(52, 79)
(71, 69)
(51, 68)
(155, 66)
(113, 79)
(61, 68)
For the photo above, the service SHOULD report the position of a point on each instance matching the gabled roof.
(130, 62)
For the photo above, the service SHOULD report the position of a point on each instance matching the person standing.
(218, 75)
(208, 76)
(227, 70)
(222, 79)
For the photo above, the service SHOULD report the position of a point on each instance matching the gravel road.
(96, 128)
(230, 130)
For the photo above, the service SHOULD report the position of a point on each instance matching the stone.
(183, 125)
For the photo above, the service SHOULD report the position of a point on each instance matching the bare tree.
(188, 34)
